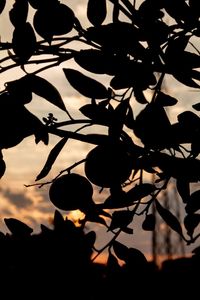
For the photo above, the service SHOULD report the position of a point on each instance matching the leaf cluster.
(136, 46)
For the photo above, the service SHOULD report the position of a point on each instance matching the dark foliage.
(136, 46)
(57, 262)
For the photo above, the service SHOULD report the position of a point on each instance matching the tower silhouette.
(166, 243)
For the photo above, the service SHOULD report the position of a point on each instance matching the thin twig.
(107, 245)
(60, 173)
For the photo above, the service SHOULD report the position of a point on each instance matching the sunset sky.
(25, 161)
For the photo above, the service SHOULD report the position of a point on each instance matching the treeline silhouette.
(57, 262)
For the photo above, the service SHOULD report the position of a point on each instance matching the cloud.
(18, 199)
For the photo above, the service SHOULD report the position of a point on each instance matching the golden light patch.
(75, 216)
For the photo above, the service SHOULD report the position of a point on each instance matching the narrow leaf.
(193, 203)
(149, 222)
(196, 106)
(140, 191)
(97, 113)
(58, 221)
(45, 89)
(118, 118)
(191, 221)
(136, 259)
(139, 96)
(85, 85)
(51, 158)
(90, 238)
(121, 219)
(169, 218)
(185, 78)
(120, 250)
(17, 228)
(183, 187)
(112, 263)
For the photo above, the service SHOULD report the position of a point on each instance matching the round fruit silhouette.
(70, 192)
(58, 19)
(108, 165)
(2, 167)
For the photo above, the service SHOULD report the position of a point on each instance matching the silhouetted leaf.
(2, 5)
(119, 37)
(120, 250)
(85, 85)
(129, 118)
(93, 217)
(180, 168)
(177, 45)
(139, 96)
(18, 14)
(184, 76)
(24, 42)
(97, 61)
(140, 191)
(190, 60)
(116, 200)
(155, 32)
(17, 228)
(196, 251)
(191, 221)
(121, 219)
(134, 74)
(112, 263)
(20, 124)
(150, 10)
(90, 238)
(196, 106)
(51, 158)
(153, 127)
(183, 188)
(169, 218)
(195, 146)
(179, 12)
(195, 74)
(118, 118)
(165, 100)
(45, 230)
(35, 3)
(135, 260)
(149, 222)
(193, 203)
(96, 11)
(19, 90)
(58, 221)
(45, 89)
(97, 113)
(189, 119)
